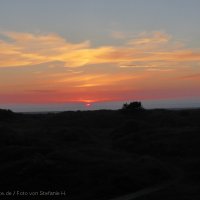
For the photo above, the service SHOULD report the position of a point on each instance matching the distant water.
(148, 104)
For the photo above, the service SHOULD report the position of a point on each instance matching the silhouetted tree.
(133, 106)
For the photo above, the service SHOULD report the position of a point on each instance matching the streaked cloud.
(28, 49)
(23, 49)
(192, 76)
(150, 39)
(49, 68)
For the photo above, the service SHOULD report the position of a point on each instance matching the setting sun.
(88, 104)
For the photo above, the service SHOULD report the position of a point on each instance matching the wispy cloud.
(49, 68)
(192, 76)
(154, 38)
(22, 49)
(29, 49)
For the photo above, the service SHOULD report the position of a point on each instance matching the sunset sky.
(99, 50)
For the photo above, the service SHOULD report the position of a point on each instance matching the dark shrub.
(132, 107)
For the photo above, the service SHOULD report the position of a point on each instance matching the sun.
(88, 104)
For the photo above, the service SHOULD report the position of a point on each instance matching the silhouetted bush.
(132, 107)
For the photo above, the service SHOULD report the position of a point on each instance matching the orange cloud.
(29, 49)
(150, 39)
(95, 80)
(48, 68)
(193, 76)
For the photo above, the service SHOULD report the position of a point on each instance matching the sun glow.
(88, 104)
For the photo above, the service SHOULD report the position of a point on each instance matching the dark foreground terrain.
(100, 155)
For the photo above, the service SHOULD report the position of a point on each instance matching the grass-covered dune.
(100, 154)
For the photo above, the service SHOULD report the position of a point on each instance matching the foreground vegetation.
(101, 154)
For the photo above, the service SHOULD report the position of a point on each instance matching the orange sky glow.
(48, 68)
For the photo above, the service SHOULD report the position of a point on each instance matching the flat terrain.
(100, 155)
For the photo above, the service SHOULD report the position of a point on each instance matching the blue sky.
(95, 19)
